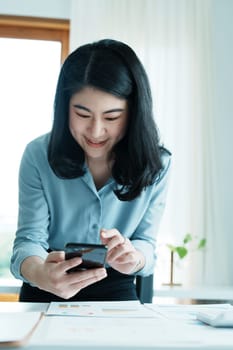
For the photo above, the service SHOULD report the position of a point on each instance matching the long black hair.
(113, 67)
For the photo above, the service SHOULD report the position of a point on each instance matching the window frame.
(22, 27)
(36, 28)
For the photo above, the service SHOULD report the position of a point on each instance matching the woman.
(99, 176)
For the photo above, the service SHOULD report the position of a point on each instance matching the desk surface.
(175, 329)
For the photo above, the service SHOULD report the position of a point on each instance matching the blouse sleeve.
(144, 238)
(33, 217)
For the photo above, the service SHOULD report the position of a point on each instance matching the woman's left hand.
(122, 256)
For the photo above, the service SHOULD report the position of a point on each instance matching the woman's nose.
(97, 128)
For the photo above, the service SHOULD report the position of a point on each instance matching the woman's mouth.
(95, 144)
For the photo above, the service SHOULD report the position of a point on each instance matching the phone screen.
(93, 255)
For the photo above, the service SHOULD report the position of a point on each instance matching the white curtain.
(173, 38)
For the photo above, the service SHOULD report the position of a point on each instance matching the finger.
(120, 248)
(115, 241)
(70, 263)
(56, 256)
(82, 276)
(72, 283)
(125, 248)
(76, 287)
(123, 257)
(108, 234)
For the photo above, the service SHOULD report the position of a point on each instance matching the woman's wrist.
(29, 268)
(139, 264)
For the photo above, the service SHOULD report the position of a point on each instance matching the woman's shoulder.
(40, 140)
(36, 150)
(165, 157)
(39, 143)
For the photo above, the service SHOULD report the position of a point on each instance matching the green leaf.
(187, 238)
(181, 251)
(171, 247)
(202, 243)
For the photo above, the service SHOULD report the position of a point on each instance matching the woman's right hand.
(51, 274)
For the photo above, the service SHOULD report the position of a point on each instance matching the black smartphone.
(93, 255)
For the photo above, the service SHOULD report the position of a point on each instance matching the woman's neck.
(101, 171)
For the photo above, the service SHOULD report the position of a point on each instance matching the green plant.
(183, 249)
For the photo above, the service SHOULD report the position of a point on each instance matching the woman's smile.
(97, 121)
(95, 144)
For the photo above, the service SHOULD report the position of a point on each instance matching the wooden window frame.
(22, 27)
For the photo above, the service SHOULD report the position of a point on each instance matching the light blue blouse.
(54, 211)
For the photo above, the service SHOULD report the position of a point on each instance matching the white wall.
(222, 122)
(37, 8)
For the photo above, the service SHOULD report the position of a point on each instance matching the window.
(32, 50)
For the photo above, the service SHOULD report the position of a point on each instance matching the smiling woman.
(31, 51)
(99, 177)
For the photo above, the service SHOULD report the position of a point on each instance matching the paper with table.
(135, 309)
(100, 309)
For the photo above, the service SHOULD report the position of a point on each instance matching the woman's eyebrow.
(114, 110)
(81, 107)
(105, 112)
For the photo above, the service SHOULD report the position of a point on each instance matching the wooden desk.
(9, 289)
(177, 331)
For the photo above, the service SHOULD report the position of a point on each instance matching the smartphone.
(93, 255)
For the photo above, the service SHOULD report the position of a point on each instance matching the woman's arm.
(137, 254)
(30, 260)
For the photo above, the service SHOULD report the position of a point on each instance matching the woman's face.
(97, 121)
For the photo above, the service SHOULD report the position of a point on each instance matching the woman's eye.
(83, 115)
(112, 118)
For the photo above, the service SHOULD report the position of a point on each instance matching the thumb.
(103, 236)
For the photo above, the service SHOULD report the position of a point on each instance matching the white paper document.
(16, 327)
(187, 312)
(124, 325)
(131, 333)
(100, 309)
